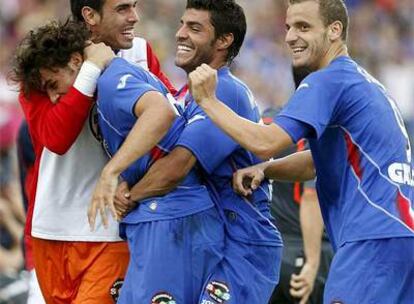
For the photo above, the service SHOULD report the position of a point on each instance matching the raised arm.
(263, 140)
(56, 125)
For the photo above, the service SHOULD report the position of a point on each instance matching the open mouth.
(128, 33)
(298, 50)
(183, 49)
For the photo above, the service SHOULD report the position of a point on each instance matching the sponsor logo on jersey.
(218, 291)
(163, 298)
(196, 118)
(116, 289)
(401, 173)
(123, 81)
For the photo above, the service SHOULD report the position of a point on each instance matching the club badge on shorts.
(163, 298)
(116, 289)
(218, 291)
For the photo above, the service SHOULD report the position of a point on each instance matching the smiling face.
(115, 24)
(196, 42)
(306, 36)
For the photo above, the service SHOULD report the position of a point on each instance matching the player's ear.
(76, 61)
(225, 41)
(91, 16)
(335, 30)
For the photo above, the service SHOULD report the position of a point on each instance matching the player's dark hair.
(227, 17)
(49, 46)
(331, 11)
(76, 7)
(299, 73)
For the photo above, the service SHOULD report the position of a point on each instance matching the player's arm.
(56, 126)
(48, 123)
(294, 167)
(162, 177)
(312, 230)
(165, 174)
(263, 140)
(297, 167)
(155, 116)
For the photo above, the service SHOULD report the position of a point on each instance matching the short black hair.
(331, 11)
(77, 5)
(49, 46)
(227, 17)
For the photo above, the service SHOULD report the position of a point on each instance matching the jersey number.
(394, 107)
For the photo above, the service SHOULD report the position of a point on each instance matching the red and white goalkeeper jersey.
(69, 159)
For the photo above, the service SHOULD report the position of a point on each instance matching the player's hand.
(103, 199)
(302, 284)
(122, 200)
(202, 84)
(98, 53)
(246, 180)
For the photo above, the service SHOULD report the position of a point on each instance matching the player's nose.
(291, 36)
(133, 15)
(181, 33)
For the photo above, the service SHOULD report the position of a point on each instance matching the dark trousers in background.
(292, 256)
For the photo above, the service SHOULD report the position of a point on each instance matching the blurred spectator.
(10, 118)
(26, 159)
(13, 288)
(10, 235)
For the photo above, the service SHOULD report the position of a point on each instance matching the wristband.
(87, 78)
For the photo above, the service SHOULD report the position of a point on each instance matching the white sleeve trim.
(87, 78)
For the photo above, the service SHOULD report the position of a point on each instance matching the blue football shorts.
(172, 259)
(373, 271)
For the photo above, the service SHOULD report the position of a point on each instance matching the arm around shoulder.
(165, 174)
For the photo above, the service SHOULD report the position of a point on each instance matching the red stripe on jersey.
(297, 187)
(354, 158)
(404, 209)
(182, 92)
(156, 153)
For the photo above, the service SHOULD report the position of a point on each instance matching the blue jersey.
(119, 89)
(220, 157)
(361, 152)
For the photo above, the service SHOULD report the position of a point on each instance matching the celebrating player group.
(144, 194)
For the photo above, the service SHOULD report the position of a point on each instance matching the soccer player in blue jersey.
(212, 32)
(359, 150)
(175, 240)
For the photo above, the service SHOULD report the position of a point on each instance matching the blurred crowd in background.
(381, 39)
